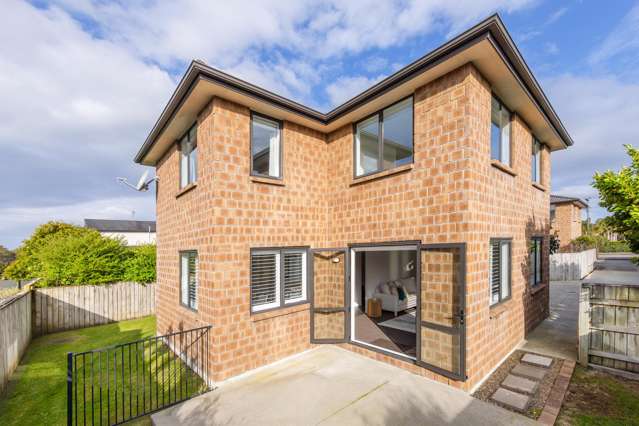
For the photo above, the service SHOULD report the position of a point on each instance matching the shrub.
(26, 264)
(602, 244)
(141, 266)
(63, 254)
(86, 258)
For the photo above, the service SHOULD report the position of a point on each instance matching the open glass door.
(441, 307)
(329, 295)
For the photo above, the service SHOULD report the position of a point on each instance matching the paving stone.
(515, 400)
(539, 360)
(529, 371)
(519, 384)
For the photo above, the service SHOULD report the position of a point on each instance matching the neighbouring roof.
(110, 225)
(487, 45)
(560, 199)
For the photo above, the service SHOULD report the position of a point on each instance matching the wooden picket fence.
(35, 312)
(609, 327)
(15, 333)
(70, 307)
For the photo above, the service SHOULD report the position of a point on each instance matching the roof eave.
(491, 28)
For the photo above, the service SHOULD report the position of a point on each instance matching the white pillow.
(393, 288)
(384, 289)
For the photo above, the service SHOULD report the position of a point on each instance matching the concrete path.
(333, 386)
(557, 335)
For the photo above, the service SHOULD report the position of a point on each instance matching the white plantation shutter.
(189, 279)
(495, 272)
(184, 279)
(265, 277)
(294, 276)
(499, 271)
(505, 270)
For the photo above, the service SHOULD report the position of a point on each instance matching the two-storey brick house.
(426, 197)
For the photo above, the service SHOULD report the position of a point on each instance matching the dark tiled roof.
(558, 199)
(110, 225)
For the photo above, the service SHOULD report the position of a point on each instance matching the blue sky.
(83, 81)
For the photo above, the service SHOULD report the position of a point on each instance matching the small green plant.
(554, 243)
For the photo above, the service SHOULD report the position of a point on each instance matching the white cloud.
(551, 48)
(21, 221)
(601, 114)
(231, 35)
(554, 17)
(623, 39)
(345, 88)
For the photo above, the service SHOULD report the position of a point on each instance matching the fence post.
(69, 388)
(584, 325)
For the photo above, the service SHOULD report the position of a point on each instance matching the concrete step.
(538, 360)
(529, 371)
(519, 384)
(508, 398)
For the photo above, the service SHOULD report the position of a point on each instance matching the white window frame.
(280, 300)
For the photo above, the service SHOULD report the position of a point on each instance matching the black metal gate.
(119, 383)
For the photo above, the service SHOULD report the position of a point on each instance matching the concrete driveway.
(557, 335)
(332, 386)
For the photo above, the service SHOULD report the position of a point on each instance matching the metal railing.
(119, 383)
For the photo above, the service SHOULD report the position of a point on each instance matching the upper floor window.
(188, 157)
(535, 260)
(536, 160)
(500, 119)
(385, 140)
(278, 278)
(266, 147)
(188, 279)
(499, 270)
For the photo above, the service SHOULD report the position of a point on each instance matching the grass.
(37, 392)
(598, 398)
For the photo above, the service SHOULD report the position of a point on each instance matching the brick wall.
(450, 194)
(567, 223)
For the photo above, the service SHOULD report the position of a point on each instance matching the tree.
(619, 193)
(6, 257)
(26, 264)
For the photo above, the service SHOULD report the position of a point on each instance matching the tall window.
(500, 251)
(535, 260)
(188, 157)
(266, 145)
(188, 279)
(500, 132)
(536, 160)
(385, 140)
(278, 278)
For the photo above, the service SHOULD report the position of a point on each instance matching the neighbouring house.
(565, 218)
(133, 232)
(409, 224)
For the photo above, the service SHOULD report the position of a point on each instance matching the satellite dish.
(143, 183)
(142, 180)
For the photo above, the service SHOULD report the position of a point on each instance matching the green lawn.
(598, 398)
(37, 392)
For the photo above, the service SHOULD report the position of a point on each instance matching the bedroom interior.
(384, 298)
